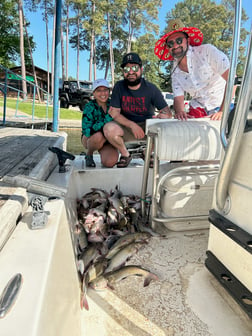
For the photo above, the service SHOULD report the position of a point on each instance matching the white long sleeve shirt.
(203, 82)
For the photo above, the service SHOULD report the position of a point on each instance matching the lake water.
(74, 144)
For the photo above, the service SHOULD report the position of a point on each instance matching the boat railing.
(232, 144)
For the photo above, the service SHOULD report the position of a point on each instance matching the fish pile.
(109, 232)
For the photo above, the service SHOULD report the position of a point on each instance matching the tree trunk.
(62, 53)
(91, 60)
(33, 68)
(78, 45)
(21, 28)
(53, 48)
(67, 38)
(111, 53)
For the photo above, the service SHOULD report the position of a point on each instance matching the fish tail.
(84, 302)
(148, 278)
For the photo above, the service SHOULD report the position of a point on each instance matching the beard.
(132, 83)
(178, 53)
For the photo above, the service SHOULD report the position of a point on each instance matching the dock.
(24, 153)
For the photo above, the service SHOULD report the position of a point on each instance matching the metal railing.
(7, 89)
(232, 145)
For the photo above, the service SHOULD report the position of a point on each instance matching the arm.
(87, 120)
(179, 108)
(218, 115)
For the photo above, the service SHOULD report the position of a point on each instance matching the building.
(14, 81)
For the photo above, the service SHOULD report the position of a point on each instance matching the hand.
(163, 115)
(216, 116)
(182, 115)
(137, 131)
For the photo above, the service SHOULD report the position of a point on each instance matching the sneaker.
(90, 161)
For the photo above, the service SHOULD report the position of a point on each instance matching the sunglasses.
(134, 68)
(178, 40)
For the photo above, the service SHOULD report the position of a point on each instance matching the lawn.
(40, 109)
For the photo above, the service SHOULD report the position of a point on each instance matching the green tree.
(10, 34)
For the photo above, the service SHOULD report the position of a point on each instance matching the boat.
(196, 204)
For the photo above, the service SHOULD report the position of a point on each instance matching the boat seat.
(192, 143)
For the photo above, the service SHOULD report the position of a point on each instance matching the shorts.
(199, 112)
(128, 135)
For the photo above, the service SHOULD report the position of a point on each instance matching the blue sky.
(37, 29)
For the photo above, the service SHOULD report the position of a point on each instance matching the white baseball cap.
(100, 82)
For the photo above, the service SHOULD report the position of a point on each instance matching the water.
(74, 144)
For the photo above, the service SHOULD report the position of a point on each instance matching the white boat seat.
(181, 141)
(187, 140)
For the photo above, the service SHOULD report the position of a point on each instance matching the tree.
(22, 55)
(10, 34)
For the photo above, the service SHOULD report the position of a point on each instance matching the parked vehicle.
(75, 93)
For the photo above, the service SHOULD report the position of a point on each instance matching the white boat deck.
(186, 300)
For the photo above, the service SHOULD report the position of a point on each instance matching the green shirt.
(94, 118)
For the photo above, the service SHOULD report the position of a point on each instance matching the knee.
(111, 129)
(109, 156)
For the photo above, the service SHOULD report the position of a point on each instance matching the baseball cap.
(131, 58)
(100, 82)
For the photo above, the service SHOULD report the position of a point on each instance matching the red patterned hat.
(176, 26)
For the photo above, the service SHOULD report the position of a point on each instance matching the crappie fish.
(109, 279)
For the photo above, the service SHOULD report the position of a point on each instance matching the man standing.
(200, 70)
(133, 101)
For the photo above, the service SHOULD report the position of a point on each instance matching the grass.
(40, 109)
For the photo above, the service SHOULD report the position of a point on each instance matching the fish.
(101, 192)
(91, 274)
(94, 222)
(126, 240)
(109, 279)
(147, 229)
(120, 258)
(112, 216)
(81, 237)
(111, 240)
(116, 203)
(89, 254)
(94, 237)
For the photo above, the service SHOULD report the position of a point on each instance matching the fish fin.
(148, 279)
(110, 286)
(84, 302)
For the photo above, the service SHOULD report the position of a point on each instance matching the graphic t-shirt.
(137, 105)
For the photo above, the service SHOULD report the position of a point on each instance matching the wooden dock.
(22, 149)
(24, 153)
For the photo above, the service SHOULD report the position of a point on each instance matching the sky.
(37, 29)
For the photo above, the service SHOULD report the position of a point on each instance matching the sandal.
(90, 161)
(124, 161)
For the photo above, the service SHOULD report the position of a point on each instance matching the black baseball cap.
(131, 58)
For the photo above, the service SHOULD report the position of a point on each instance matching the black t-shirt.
(137, 105)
